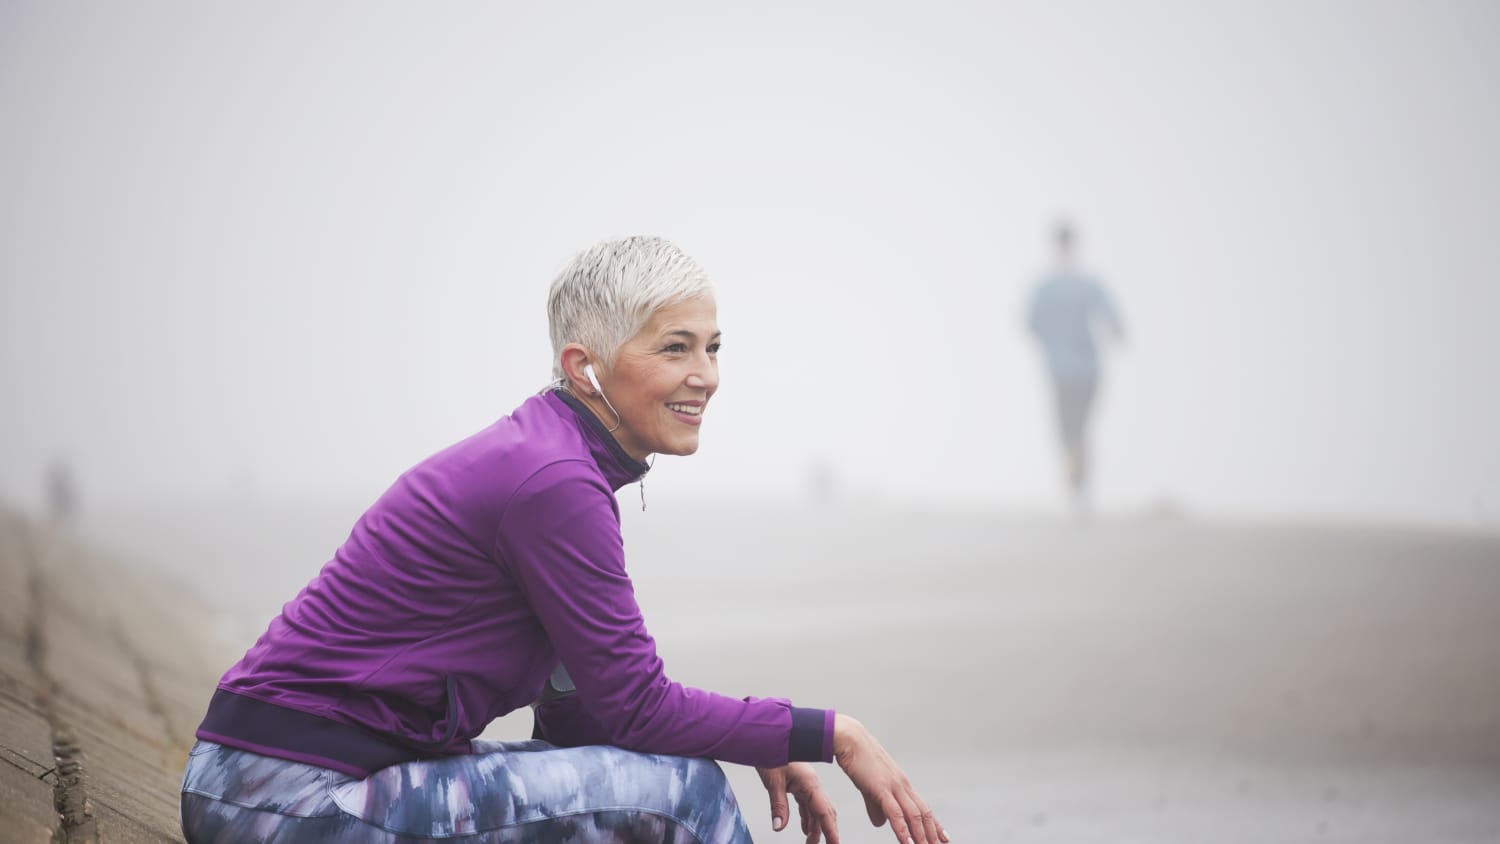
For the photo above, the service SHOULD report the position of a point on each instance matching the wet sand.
(1130, 680)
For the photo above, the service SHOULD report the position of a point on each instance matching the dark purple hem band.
(807, 741)
(828, 736)
(282, 753)
(248, 724)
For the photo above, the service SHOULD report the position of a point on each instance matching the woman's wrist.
(848, 734)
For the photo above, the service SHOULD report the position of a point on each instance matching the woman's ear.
(574, 358)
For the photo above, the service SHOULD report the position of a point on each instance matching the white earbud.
(588, 369)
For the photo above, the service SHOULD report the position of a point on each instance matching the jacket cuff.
(812, 735)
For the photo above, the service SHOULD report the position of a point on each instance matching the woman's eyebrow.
(683, 332)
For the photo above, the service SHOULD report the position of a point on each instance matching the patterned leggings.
(519, 792)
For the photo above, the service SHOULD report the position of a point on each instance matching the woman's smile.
(688, 412)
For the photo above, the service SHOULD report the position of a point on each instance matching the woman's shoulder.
(532, 447)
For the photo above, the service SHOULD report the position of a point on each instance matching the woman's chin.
(681, 448)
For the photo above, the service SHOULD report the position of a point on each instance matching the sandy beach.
(1129, 681)
(1125, 680)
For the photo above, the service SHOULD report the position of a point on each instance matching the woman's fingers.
(930, 826)
(922, 820)
(775, 780)
(900, 824)
(826, 820)
(819, 815)
(929, 823)
(912, 820)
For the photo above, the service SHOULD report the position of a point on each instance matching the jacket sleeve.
(560, 537)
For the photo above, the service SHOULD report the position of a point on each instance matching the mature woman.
(465, 590)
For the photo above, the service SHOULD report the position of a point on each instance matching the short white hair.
(609, 292)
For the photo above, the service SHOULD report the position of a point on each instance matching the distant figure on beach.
(62, 494)
(1069, 313)
(492, 576)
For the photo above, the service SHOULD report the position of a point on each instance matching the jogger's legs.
(1075, 401)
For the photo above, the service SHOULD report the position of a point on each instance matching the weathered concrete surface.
(103, 675)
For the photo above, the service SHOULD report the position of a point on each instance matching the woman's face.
(663, 378)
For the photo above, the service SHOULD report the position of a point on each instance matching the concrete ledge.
(28, 814)
(102, 676)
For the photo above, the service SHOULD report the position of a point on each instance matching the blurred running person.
(1070, 312)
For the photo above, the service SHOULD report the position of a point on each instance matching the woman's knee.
(704, 775)
(700, 799)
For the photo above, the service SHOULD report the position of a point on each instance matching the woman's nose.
(705, 376)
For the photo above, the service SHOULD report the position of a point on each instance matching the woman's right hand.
(888, 795)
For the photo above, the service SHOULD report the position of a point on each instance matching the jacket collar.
(619, 468)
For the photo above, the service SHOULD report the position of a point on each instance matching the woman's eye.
(713, 348)
(676, 348)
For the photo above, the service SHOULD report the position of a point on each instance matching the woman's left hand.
(819, 818)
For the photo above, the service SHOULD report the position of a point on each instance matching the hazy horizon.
(285, 252)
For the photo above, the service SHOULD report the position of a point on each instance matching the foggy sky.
(287, 250)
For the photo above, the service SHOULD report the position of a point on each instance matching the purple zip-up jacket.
(454, 598)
